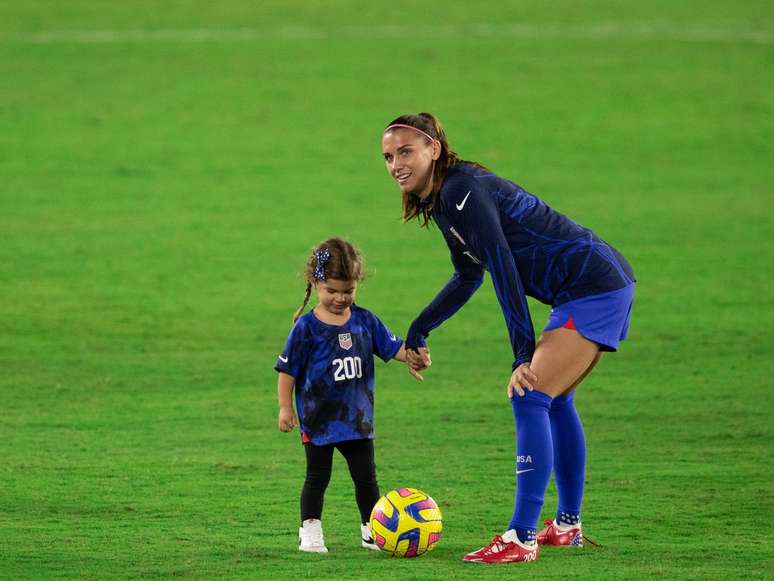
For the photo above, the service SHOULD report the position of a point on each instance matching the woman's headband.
(402, 126)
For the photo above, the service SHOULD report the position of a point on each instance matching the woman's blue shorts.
(602, 318)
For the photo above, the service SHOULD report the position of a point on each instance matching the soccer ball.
(406, 522)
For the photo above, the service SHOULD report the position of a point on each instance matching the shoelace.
(496, 542)
(590, 542)
(550, 523)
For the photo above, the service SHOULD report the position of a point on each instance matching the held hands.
(522, 377)
(287, 419)
(417, 361)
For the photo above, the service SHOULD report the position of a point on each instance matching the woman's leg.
(359, 455)
(569, 443)
(561, 358)
(318, 473)
(534, 461)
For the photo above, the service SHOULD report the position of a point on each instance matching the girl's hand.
(414, 373)
(522, 377)
(287, 419)
(418, 361)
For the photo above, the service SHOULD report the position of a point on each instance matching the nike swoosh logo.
(523, 471)
(462, 203)
(283, 359)
(393, 338)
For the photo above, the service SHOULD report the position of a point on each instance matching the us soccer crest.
(345, 341)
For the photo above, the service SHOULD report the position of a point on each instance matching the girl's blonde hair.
(332, 258)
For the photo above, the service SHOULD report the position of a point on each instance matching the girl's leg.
(318, 473)
(359, 455)
(561, 358)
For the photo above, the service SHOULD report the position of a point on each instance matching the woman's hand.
(287, 419)
(417, 361)
(522, 378)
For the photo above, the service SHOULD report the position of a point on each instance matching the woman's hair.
(332, 258)
(428, 124)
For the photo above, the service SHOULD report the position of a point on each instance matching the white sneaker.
(310, 537)
(367, 539)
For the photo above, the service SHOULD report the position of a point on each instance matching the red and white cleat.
(559, 536)
(502, 551)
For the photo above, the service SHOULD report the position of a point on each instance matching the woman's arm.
(484, 236)
(452, 297)
(287, 419)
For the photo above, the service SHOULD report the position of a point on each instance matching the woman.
(490, 223)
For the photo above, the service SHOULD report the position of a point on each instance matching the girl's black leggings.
(359, 455)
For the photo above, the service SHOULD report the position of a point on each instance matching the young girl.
(329, 360)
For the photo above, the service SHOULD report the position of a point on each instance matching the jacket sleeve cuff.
(415, 339)
(519, 360)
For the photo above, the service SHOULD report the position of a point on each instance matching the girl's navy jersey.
(528, 248)
(333, 368)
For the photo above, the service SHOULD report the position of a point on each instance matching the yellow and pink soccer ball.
(406, 522)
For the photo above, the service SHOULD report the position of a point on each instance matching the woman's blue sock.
(569, 458)
(534, 460)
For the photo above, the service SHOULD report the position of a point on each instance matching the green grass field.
(164, 170)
